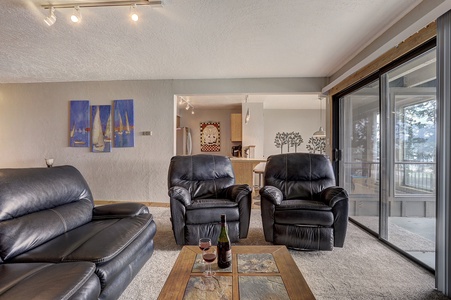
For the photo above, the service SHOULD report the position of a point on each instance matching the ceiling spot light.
(133, 14)
(76, 16)
(51, 18)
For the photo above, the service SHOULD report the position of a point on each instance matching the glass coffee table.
(257, 272)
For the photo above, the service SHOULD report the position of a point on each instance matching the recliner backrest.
(38, 204)
(299, 175)
(204, 176)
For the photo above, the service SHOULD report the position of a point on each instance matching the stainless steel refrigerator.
(184, 144)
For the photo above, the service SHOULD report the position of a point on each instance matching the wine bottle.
(224, 247)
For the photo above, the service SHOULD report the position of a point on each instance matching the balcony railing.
(415, 178)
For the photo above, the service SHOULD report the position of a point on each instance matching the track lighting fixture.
(133, 14)
(76, 15)
(183, 101)
(51, 18)
(76, 6)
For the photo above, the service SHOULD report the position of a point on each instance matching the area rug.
(363, 269)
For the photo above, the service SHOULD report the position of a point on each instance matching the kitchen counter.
(244, 169)
(233, 158)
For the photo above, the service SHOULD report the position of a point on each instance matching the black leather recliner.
(300, 205)
(201, 188)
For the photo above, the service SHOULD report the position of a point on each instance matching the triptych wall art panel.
(210, 137)
(79, 124)
(101, 128)
(98, 130)
(123, 123)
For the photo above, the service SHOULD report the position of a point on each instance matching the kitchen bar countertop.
(233, 158)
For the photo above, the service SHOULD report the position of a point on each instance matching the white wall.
(253, 131)
(34, 124)
(277, 120)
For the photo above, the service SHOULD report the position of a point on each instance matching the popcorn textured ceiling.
(190, 39)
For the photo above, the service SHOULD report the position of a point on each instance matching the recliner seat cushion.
(211, 203)
(211, 215)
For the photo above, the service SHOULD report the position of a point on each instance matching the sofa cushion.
(21, 234)
(97, 241)
(29, 190)
(38, 281)
(38, 204)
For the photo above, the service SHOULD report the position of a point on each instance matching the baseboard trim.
(150, 204)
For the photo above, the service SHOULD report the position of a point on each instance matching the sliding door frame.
(386, 139)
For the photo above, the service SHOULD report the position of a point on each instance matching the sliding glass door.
(410, 151)
(387, 139)
(360, 145)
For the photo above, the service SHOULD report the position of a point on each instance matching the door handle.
(337, 155)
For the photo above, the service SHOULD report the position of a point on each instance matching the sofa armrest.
(180, 194)
(237, 192)
(119, 210)
(332, 195)
(272, 194)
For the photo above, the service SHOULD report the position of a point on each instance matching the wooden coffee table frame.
(294, 282)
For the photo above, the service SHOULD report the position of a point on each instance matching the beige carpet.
(363, 269)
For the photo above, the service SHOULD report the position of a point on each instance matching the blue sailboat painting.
(79, 130)
(124, 124)
(101, 132)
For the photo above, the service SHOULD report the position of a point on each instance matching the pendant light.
(248, 113)
(320, 133)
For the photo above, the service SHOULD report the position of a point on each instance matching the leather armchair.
(301, 206)
(201, 188)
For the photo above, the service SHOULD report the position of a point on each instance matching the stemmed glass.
(209, 255)
(204, 243)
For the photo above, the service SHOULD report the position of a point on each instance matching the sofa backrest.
(38, 204)
(299, 175)
(204, 176)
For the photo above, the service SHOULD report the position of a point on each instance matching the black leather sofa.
(300, 205)
(54, 244)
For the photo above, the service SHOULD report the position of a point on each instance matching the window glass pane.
(411, 216)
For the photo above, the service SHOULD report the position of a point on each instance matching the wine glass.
(209, 256)
(204, 243)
